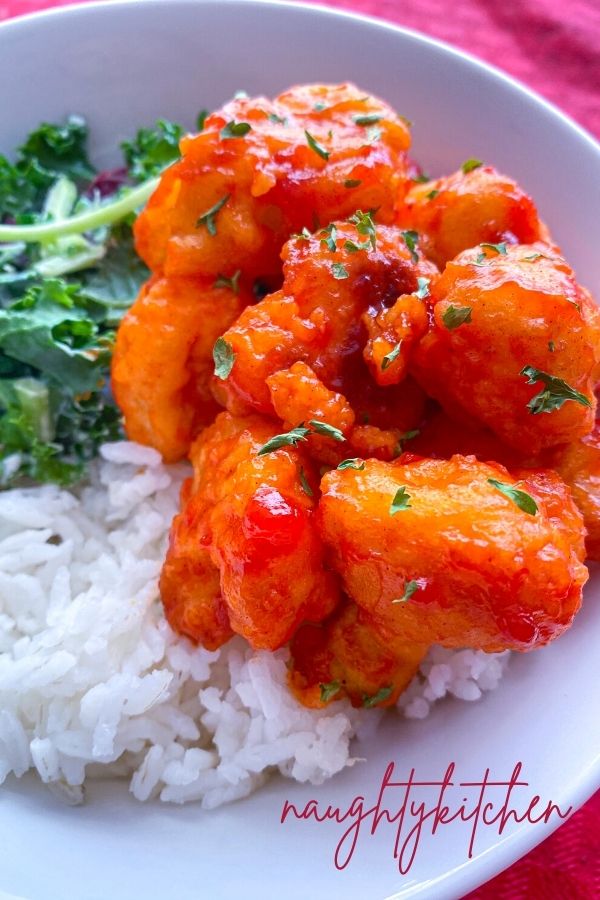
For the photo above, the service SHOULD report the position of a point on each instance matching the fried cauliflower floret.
(458, 211)
(579, 465)
(515, 346)
(162, 364)
(345, 657)
(435, 552)
(261, 170)
(258, 527)
(330, 279)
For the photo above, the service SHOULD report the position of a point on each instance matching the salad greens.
(68, 272)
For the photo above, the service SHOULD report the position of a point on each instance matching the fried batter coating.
(579, 465)
(458, 211)
(189, 583)
(393, 334)
(162, 363)
(330, 279)
(238, 193)
(345, 657)
(257, 523)
(501, 317)
(467, 566)
(440, 437)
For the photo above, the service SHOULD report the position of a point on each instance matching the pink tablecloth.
(553, 47)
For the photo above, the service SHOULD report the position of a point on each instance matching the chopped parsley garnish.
(326, 430)
(304, 483)
(365, 226)
(470, 165)
(329, 241)
(319, 107)
(303, 235)
(354, 463)
(329, 690)
(407, 436)
(314, 145)
(352, 182)
(277, 120)
(422, 178)
(455, 316)
(209, 218)
(410, 238)
(287, 439)
(422, 288)
(373, 135)
(533, 256)
(431, 195)
(389, 358)
(201, 119)
(520, 498)
(339, 271)
(498, 248)
(401, 501)
(372, 119)
(235, 130)
(410, 588)
(379, 697)
(223, 357)
(555, 393)
(232, 283)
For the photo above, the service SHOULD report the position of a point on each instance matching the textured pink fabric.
(554, 47)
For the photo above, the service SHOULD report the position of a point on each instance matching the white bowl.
(123, 65)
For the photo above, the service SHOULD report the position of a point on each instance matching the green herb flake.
(304, 483)
(497, 248)
(329, 690)
(354, 463)
(326, 430)
(223, 357)
(232, 283)
(533, 256)
(277, 120)
(389, 358)
(352, 182)
(372, 119)
(404, 438)
(400, 502)
(209, 218)
(365, 226)
(421, 178)
(455, 316)
(235, 130)
(375, 699)
(319, 107)
(314, 145)
(339, 271)
(201, 119)
(303, 235)
(287, 439)
(330, 239)
(520, 498)
(555, 393)
(410, 238)
(422, 288)
(373, 135)
(410, 588)
(470, 165)
(432, 195)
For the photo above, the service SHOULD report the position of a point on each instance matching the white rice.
(94, 683)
